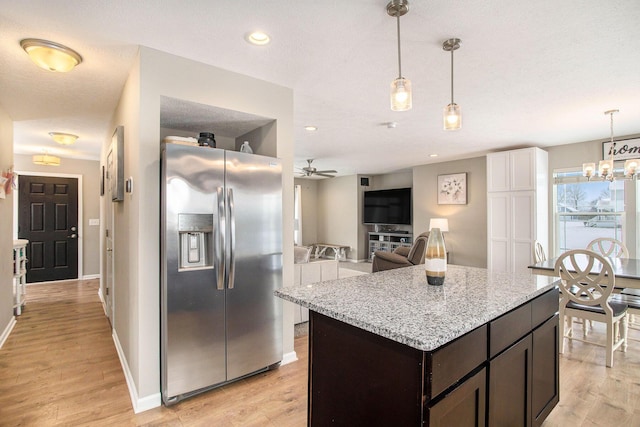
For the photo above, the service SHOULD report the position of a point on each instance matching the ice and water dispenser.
(196, 241)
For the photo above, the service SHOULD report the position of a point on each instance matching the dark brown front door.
(48, 218)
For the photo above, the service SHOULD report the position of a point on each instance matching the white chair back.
(538, 252)
(609, 247)
(585, 278)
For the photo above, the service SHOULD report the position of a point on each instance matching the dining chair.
(538, 252)
(609, 247)
(586, 295)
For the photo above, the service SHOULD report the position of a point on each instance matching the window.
(586, 210)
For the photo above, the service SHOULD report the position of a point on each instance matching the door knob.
(73, 236)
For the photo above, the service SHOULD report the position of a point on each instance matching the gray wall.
(90, 171)
(467, 237)
(309, 198)
(6, 229)
(338, 212)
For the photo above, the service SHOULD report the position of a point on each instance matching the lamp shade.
(46, 159)
(51, 56)
(441, 223)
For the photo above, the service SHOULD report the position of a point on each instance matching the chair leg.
(563, 331)
(625, 332)
(610, 340)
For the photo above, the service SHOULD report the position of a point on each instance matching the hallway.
(59, 366)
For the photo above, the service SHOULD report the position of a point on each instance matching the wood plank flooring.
(59, 367)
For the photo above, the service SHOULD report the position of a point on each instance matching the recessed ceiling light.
(51, 56)
(392, 125)
(63, 138)
(258, 38)
(311, 128)
(433, 155)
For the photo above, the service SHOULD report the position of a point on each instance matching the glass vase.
(435, 258)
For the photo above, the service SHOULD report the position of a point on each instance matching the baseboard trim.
(289, 358)
(90, 276)
(7, 330)
(139, 404)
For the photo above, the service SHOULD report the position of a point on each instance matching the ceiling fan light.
(46, 160)
(452, 117)
(63, 138)
(401, 94)
(51, 56)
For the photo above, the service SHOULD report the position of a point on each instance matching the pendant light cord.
(452, 76)
(399, 60)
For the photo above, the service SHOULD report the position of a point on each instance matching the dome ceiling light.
(63, 138)
(51, 56)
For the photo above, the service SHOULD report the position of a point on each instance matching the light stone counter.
(399, 305)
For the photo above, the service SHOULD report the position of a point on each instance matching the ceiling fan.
(310, 171)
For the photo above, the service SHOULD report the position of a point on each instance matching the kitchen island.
(388, 349)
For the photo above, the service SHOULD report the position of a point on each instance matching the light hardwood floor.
(59, 367)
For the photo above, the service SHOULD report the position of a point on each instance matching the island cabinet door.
(546, 389)
(465, 406)
(510, 376)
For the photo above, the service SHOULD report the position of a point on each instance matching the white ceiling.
(528, 73)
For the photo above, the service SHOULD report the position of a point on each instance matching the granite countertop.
(399, 305)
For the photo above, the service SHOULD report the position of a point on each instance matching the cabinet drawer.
(452, 362)
(544, 307)
(509, 328)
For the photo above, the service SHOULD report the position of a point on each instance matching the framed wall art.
(115, 165)
(452, 189)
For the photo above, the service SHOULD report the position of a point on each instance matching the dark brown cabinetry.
(503, 373)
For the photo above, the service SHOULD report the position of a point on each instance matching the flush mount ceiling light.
(400, 87)
(452, 116)
(51, 56)
(46, 160)
(258, 38)
(63, 138)
(311, 128)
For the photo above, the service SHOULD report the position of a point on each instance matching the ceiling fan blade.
(331, 171)
(324, 174)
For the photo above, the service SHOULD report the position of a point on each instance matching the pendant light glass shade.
(588, 169)
(51, 56)
(452, 117)
(401, 94)
(46, 159)
(400, 88)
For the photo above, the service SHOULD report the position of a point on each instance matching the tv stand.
(388, 241)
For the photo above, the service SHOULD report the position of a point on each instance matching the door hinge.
(107, 289)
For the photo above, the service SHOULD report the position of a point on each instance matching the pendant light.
(452, 117)
(51, 56)
(400, 87)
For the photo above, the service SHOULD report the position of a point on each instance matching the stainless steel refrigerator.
(221, 260)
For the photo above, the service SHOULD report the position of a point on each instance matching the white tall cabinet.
(517, 204)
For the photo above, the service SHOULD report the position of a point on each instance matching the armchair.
(402, 256)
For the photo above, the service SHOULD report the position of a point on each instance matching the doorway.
(48, 218)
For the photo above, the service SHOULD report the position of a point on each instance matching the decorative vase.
(435, 258)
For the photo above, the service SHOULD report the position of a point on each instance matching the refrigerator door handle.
(220, 237)
(232, 239)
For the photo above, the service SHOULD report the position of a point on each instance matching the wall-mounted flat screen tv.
(388, 206)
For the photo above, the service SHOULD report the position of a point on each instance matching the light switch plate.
(94, 221)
